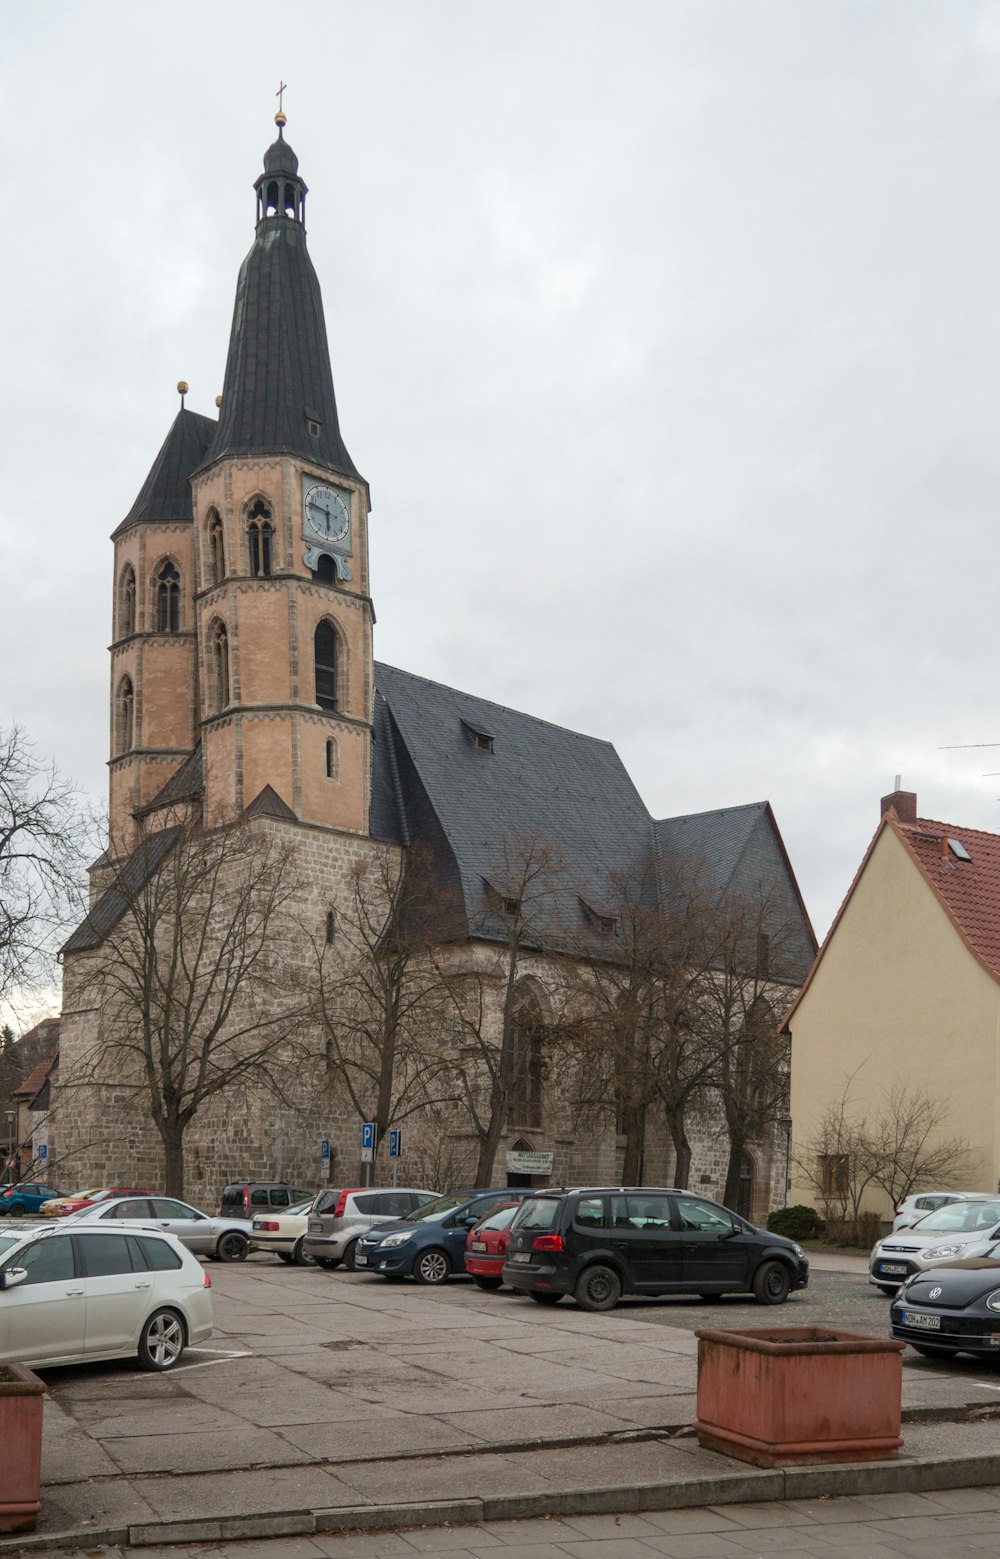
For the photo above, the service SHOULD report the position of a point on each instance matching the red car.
(486, 1246)
(73, 1204)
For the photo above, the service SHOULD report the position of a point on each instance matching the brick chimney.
(903, 803)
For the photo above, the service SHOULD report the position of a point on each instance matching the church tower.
(271, 600)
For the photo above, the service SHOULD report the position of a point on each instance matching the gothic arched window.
(528, 1063)
(260, 538)
(216, 550)
(126, 624)
(332, 759)
(331, 927)
(125, 715)
(220, 668)
(168, 600)
(325, 652)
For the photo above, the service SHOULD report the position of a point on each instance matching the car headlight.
(942, 1252)
(993, 1302)
(798, 1250)
(395, 1239)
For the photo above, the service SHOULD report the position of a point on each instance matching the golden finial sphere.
(182, 387)
(280, 119)
(218, 400)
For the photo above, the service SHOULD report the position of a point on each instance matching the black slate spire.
(166, 492)
(278, 393)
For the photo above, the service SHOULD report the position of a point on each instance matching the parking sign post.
(368, 1148)
(395, 1148)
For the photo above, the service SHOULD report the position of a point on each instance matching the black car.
(954, 1308)
(598, 1244)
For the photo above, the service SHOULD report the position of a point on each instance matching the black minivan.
(599, 1244)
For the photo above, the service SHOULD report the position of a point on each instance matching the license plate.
(521, 1255)
(315, 1227)
(360, 1261)
(892, 1269)
(926, 1323)
(478, 1245)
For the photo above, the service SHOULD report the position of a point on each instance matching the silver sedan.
(228, 1239)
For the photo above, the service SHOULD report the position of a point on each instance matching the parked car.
(912, 1208)
(951, 1308)
(282, 1232)
(486, 1246)
(58, 1200)
(429, 1244)
(244, 1198)
(72, 1294)
(338, 1218)
(967, 1228)
(25, 1197)
(68, 1205)
(598, 1244)
(227, 1239)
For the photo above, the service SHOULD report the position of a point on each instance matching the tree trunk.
(172, 1133)
(682, 1147)
(488, 1145)
(731, 1195)
(634, 1122)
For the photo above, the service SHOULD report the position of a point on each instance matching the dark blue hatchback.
(429, 1244)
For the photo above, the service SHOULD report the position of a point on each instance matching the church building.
(244, 686)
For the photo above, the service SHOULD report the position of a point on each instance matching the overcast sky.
(666, 332)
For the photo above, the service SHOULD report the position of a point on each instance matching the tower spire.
(278, 395)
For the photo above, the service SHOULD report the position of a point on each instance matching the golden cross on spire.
(279, 117)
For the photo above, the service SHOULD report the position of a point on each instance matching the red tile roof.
(34, 1080)
(968, 890)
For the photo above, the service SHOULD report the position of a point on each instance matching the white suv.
(70, 1296)
(912, 1208)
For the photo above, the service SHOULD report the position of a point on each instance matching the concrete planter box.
(778, 1396)
(21, 1395)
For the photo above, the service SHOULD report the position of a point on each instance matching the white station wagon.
(70, 1296)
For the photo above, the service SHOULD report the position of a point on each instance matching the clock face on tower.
(328, 513)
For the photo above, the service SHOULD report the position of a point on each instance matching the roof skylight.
(958, 850)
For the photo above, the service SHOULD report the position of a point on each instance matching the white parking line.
(223, 1356)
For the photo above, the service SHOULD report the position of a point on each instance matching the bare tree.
(638, 1003)
(837, 1163)
(195, 980)
(380, 997)
(43, 832)
(494, 1014)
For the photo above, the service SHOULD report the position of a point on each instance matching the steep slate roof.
(185, 784)
(113, 903)
(968, 891)
(166, 492)
(432, 781)
(278, 374)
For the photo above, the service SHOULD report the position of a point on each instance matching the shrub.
(796, 1223)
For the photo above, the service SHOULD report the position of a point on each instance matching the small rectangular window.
(958, 850)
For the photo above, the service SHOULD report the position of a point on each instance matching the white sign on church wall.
(529, 1163)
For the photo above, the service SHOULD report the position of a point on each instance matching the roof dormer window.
(482, 740)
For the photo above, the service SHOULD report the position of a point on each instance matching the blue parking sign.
(368, 1135)
(43, 1151)
(324, 1149)
(395, 1142)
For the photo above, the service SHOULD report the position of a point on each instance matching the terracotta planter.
(21, 1395)
(781, 1395)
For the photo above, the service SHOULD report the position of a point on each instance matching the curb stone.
(907, 1475)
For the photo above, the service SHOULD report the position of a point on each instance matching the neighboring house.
(32, 1103)
(906, 991)
(244, 685)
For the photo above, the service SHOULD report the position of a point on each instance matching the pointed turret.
(278, 394)
(166, 492)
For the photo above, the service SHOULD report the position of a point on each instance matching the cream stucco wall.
(897, 997)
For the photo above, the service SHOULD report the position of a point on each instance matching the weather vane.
(279, 117)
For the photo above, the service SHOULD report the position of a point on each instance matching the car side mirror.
(13, 1276)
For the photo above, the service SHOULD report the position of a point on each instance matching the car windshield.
(433, 1212)
(499, 1220)
(300, 1207)
(7, 1242)
(961, 1218)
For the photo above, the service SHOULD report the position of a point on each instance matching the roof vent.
(958, 850)
(479, 738)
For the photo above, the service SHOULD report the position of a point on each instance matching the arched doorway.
(518, 1177)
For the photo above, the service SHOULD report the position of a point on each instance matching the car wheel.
(347, 1259)
(598, 1288)
(932, 1353)
(282, 1255)
(771, 1283)
(299, 1255)
(542, 1296)
(327, 1263)
(886, 1291)
(233, 1246)
(490, 1285)
(17, 1211)
(432, 1266)
(162, 1341)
